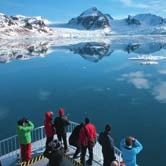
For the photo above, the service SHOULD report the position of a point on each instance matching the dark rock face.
(10, 22)
(28, 26)
(132, 47)
(14, 18)
(91, 51)
(130, 20)
(6, 20)
(35, 22)
(91, 19)
(40, 23)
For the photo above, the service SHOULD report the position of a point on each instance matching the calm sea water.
(94, 80)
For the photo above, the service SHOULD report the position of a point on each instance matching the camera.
(25, 120)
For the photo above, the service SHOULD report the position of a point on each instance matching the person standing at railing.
(48, 126)
(130, 147)
(24, 128)
(107, 143)
(60, 123)
(74, 139)
(87, 140)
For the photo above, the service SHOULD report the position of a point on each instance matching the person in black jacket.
(107, 144)
(60, 123)
(74, 139)
(54, 153)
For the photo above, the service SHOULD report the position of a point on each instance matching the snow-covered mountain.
(29, 27)
(149, 19)
(142, 24)
(22, 25)
(91, 19)
(145, 19)
(139, 24)
(91, 23)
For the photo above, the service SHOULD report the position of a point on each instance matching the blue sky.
(63, 10)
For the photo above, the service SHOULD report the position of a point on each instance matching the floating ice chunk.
(148, 58)
(149, 63)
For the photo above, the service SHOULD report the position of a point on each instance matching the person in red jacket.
(87, 140)
(48, 126)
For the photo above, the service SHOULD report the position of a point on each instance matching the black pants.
(62, 136)
(83, 153)
(77, 151)
(107, 159)
(49, 139)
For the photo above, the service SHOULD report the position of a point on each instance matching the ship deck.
(9, 150)
(39, 147)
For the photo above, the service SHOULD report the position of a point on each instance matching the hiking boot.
(89, 162)
(75, 157)
(66, 150)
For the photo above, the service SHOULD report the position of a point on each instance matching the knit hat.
(48, 115)
(61, 112)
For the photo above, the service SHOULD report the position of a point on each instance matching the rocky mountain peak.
(149, 19)
(91, 19)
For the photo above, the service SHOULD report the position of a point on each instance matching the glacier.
(25, 37)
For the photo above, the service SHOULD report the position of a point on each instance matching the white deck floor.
(39, 147)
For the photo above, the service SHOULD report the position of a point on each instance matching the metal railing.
(10, 146)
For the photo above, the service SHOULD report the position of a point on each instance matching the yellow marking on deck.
(32, 161)
(40, 157)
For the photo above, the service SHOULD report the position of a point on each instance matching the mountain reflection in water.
(92, 51)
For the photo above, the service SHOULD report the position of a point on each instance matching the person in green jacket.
(24, 128)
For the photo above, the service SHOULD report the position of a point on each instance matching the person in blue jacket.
(130, 147)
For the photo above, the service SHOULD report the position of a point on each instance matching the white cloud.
(127, 2)
(163, 71)
(160, 92)
(4, 111)
(157, 6)
(44, 95)
(138, 79)
(153, 6)
(101, 89)
(131, 3)
(10, 4)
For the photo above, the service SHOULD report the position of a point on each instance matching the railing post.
(15, 145)
(0, 149)
(41, 131)
(119, 158)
